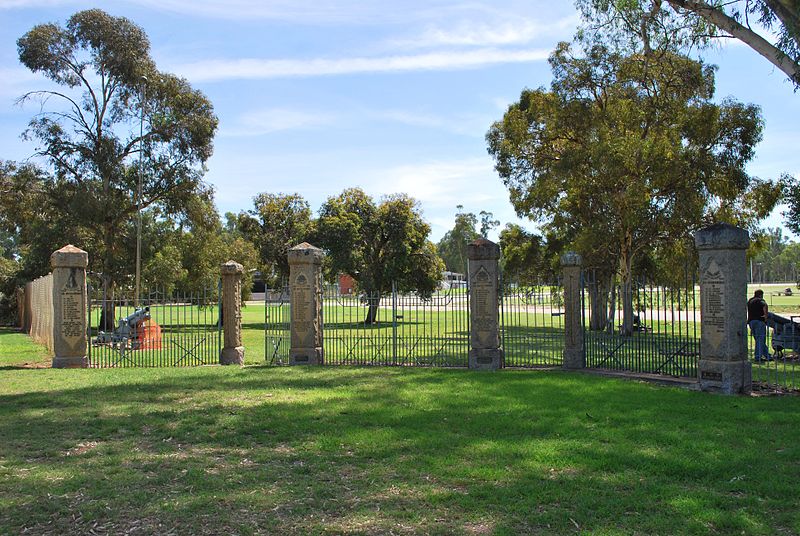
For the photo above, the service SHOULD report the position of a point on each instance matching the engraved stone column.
(232, 352)
(723, 366)
(485, 352)
(305, 282)
(574, 355)
(69, 307)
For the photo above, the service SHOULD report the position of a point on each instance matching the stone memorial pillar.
(574, 355)
(69, 307)
(305, 284)
(724, 365)
(232, 352)
(485, 352)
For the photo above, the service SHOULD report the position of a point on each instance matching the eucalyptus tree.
(452, 248)
(276, 223)
(109, 103)
(769, 27)
(627, 152)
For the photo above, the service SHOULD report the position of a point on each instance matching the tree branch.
(725, 22)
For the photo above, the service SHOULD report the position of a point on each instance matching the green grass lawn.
(17, 349)
(300, 450)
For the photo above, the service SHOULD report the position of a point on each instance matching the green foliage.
(89, 132)
(774, 258)
(792, 198)
(277, 223)
(378, 244)
(770, 27)
(626, 153)
(487, 223)
(452, 248)
(527, 258)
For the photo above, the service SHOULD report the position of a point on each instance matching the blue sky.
(315, 96)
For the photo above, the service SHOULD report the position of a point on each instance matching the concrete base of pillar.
(232, 356)
(486, 358)
(70, 362)
(574, 359)
(727, 377)
(305, 356)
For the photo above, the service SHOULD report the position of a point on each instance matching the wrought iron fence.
(277, 325)
(782, 371)
(661, 337)
(532, 324)
(396, 329)
(159, 330)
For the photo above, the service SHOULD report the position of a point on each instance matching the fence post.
(485, 352)
(232, 352)
(305, 281)
(574, 354)
(724, 365)
(69, 307)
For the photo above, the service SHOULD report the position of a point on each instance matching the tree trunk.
(626, 290)
(599, 298)
(108, 320)
(612, 305)
(374, 301)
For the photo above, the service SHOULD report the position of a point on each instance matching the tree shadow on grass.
(305, 450)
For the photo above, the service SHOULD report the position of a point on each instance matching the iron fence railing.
(158, 330)
(532, 324)
(396, 329)
(661, 337)
(277, 325)
(782, 371)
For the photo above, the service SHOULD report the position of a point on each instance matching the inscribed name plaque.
(483, 311)
(301, 311)
(72, 311)
(713, 298)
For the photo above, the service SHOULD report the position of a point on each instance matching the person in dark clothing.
(757, 313)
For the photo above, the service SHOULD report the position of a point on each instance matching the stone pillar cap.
(571, 258)
(69, 257)
(483, 249)
(232, 267)
(305, 253)
(722, 236)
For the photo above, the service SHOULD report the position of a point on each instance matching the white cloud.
(438, 184)
(11, 4)
(254, 69)
(267, 121)
(519, 31)
(15, 81)
(466, 124)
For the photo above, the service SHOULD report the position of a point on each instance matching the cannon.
(127, 330)
(785, 333)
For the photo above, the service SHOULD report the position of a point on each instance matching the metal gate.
(277, 325)
(395, 329)
(160, 329)
(532, 324)
(662, 335)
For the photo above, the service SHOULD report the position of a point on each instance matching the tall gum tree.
(110, 104)
(626, 153)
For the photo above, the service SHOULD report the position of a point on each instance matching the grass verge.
(18, 350)
(388, 451)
